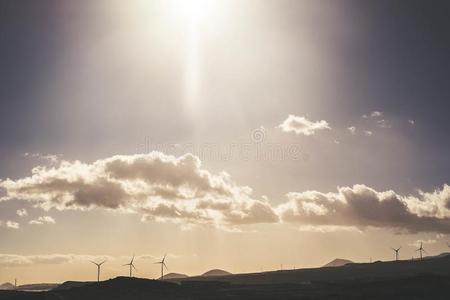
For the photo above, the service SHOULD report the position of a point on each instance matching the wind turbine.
(421, 250)
(98, 268)
(131, 266)
(396, 252)
(163, 265)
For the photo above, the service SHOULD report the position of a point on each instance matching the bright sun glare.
(191, 11)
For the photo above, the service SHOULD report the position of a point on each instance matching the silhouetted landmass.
(29, 287)
(37, 287)
(71, 284)
(427, 279)
(7, 286)
(338, 262)
(174, 276)
(216, 272)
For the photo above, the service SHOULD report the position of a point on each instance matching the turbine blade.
(134, 267)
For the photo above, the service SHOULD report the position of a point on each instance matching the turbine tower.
(396, 252)
(98, 268)
(163, 265)
(131, 266)
(421, 250)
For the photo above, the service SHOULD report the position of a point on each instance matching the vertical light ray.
(192, 74)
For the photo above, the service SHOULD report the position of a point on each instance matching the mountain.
(216, 272)
(175, 276)
(338, 262)
(7, 286)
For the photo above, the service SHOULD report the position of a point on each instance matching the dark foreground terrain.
(428, 279)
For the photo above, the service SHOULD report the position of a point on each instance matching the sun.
(191, 11)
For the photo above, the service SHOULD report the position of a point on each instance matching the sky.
(241, 135)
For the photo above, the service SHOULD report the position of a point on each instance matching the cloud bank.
(155, 185)
(301, 125)
(362, 207)
(165, 188)
(16, 260)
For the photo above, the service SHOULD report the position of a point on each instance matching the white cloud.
(374, 115)
(368, 133)
(43, 220)
(416, 244)
(352, 130)
(22, 212)
(383, 124)
(363, 207)
(12, 225)
(157, 186)
(52, 158)
(301, 125)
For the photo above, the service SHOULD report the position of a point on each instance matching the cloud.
(15, 260)
(52, 158)
(363, 207)
(368, 133)
(157, 186)
(12, 225)
(22, 212)
(412, 122)
(374, 115)
(301, 125)
(383, 124)
(352, 129)
(328, 228)
(416, 244)
(43, 220)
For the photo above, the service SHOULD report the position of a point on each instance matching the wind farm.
(349, 280)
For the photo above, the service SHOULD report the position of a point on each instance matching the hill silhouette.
(216, 272)
(338, 262)
(174, 276)
(7, 286)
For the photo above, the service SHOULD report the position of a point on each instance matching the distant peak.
(338, 262)
(216, 272)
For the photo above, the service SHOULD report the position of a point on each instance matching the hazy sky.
(229, 134)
